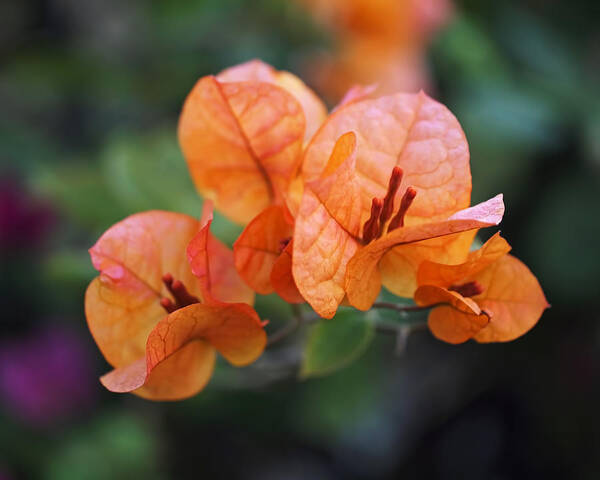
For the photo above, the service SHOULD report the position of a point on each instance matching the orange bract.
(314, 109)
(411, 131)
(160, 355)
(259, 246)
(496, 283)
(326, 228)
(242, 134)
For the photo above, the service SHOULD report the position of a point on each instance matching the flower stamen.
(405, 203)
(182, 297)
(388, 201)
(469, 289)
(371, 227)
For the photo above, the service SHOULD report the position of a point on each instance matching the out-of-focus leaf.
(333, 344)
(465, 50)
(115, 446)
(81, 193)
(148, 172)
(562, 239)
(68, 267)
(318, 410)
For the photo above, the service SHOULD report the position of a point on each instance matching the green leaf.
(147, 171)
(334, 344)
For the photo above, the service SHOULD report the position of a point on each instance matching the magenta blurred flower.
(46, 376)
(24, 220)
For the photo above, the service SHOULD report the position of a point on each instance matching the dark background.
(90, 93)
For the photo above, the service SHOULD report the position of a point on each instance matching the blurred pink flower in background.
(24, 220)
(46, 376)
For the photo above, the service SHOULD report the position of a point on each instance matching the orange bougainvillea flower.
(491, 297)
(336, 255)
(242, 134)
(376, 41)
(159, 317)
(412, 132)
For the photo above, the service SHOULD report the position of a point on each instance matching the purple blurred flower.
(24, 220)
(47, 376)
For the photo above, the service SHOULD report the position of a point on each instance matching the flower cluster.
(334, 206)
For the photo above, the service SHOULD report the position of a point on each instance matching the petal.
(443, 275)
(242, 142)
(399, 266)
(356, 93)
(429, 295)
(120, 317)
(180, 351)
(457, 321)
(234, 329)
(282, 278)
(213, 265)
(146, 246)
(514, 297)
(411, 131)
(453, 326)
(338, 187)
(259, 246)
(181, 375)
(258, 71)
(322, 249)
(324, 235)
(363, 267)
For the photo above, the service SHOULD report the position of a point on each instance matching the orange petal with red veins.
(234, 329)
(363, 279)
(258, 247)
(324, 235)
(338, 187)
(242, 142)
(458, 320)
(180, 350)
(514, 297)
(409, 130)
(213, 265)
(282, 278)
(444, 275)
(181, 375)
(322, 249)
(399, 266)
(258, 71)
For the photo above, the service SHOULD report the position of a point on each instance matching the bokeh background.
(90, 94)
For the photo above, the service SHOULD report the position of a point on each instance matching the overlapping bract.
(158, 355)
